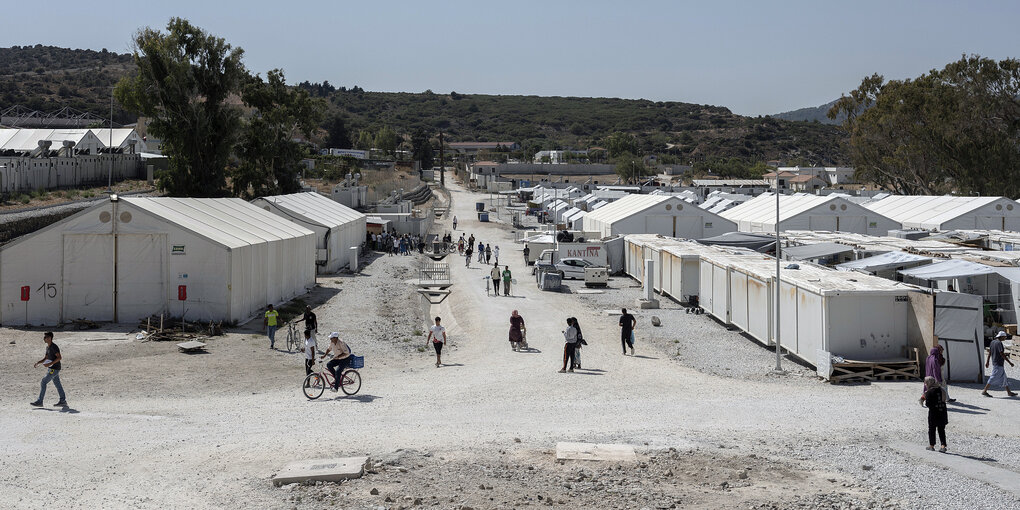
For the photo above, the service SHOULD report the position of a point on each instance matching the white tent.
(574, 219)
(337, 228)
(885, 261)
(656, 214)
(949, 213)
(123, 138)
(807, 212)
(129, 258)
(948, 270)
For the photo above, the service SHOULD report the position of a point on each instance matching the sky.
(753, 57)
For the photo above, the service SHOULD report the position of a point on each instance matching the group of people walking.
(394, 244)
(496, 276)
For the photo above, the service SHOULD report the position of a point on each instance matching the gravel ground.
(152, 428)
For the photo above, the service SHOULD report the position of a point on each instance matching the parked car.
(573, 268)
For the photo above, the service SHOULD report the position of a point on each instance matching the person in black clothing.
(52, 362)
(938, 416)
(627, 324)
(309, 319)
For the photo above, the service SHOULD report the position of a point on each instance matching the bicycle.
(350, 383)
(294, 340)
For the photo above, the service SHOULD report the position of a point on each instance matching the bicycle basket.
(357, 362)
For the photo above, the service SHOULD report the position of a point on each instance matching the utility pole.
(109, 175)
(779, 284)
(442, 162)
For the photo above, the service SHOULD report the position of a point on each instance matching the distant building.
(805, 183)
(832, 175)
(473, 148)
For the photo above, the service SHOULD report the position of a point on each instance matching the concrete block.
(646, 304)
(593, 451)
(326, 470)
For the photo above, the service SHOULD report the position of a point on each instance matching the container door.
(88, 277)
(141, 278)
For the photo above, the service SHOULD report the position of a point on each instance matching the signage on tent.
(25, 292)
(182, 292)
(177, 249)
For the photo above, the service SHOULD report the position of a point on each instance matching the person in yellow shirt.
(269, 325)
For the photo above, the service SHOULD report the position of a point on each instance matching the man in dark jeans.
(309, 319)
(627, 324)
(52, 362)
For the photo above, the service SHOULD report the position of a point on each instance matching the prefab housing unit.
(129, 258)
(927, 212)
(808, 212)
(337, 228)
(665, 215)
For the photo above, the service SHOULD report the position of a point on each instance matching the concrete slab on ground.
(594, 451)
(966, 465)
(326, 470)
(590, 291)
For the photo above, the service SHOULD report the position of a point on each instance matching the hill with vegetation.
(48, 78)
(813, 114)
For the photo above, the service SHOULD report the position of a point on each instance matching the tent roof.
(120, 135)
(25, 140)
(757, 242)
(953, 268)
(762, 209)
(231, 222)
(814, 251)
(635, 204)
(887, 260)
(316, 208)
(930, 212)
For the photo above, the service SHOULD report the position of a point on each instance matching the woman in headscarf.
(933, 368)
(579, 344)
(516, 331)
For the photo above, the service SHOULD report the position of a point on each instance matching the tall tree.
(950, 130)
(337, 136)
(421, 148)
(269, 156)
(630, 167)
(618, 144)
(386, 140)
(184, 78)
(366, 140)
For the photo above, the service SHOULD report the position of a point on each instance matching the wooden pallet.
(866, 371)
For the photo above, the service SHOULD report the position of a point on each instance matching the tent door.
(87, 280)
(141, 278)
(853, 224)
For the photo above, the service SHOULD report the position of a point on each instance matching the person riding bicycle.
(341, 358)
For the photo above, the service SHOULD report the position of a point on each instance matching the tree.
(184, 78)
(630, 167)
(421, 148)
(619, 144)
(269, 157)
(950, 130)
(366, 140)
(386, 140)
(337, 136)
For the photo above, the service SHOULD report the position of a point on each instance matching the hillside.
(48, 78)
(817, 113)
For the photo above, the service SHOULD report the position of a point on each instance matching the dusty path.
(153, 428)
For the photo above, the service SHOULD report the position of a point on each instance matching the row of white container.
(822, 312)
(30, 174)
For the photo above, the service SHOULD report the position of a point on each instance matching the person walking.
(467, 257)
(997, 357)
(938, 415)
(580, 343)
(269, 325)
(437, 335)
(495, 275)
(481, 252)
(455, 223)
(517, 329)
(495, 251)
(311, 322)
(933, 368)
(310, 348)
(627, 325)
(52, 363)
(569, 345)
(506, 280)
(526, 252)
(488, 254)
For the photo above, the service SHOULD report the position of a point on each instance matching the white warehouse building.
(808, 212)
(129, 258)
(337, 228)
(927, 212)
(665, 215)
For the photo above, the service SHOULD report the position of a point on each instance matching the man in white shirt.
(309, 351)
(341, 357)
(437, 335)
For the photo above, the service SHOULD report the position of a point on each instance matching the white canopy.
(948, 270)
(815, 251)
(883, 261)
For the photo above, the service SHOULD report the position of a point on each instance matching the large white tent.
(665, 215)
(808, 212)
(337, 228)
(927, 212)
(129, 258)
